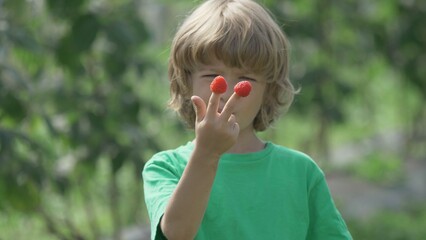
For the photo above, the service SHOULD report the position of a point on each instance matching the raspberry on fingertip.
(218, 85)
(242, 88)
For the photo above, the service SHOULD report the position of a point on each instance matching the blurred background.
(84, 89)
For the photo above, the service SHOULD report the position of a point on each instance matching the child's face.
(246, 108)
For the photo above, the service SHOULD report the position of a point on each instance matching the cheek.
(257, 96)
(252, 103)
(255, 107)
(201, 90)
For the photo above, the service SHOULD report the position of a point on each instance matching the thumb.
(199, 107)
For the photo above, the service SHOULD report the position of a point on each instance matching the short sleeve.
(160, 180)
(326, 223)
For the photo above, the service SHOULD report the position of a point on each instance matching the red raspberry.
(243, 88)
(219, 85)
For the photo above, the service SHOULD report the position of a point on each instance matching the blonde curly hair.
(241, 34)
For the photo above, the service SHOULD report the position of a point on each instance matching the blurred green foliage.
(83, 90)
(71, 74)
(407, 225)
(379, 167)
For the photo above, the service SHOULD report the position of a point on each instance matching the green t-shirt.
(276, 193)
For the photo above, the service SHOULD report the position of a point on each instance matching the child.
(228, 183)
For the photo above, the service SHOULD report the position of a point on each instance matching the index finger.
(229, 106)
(213, 104)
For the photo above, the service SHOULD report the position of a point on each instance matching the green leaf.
(79, 40)
(12, 106)
(65, 8)
(115, 64)
(24, 197)
(83, 32)
(118, 160)
(21, 37)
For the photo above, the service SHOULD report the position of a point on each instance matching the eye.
(210, 75)
(248, 79)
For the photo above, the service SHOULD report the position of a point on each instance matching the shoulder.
(295, 158)
(171, 159)
(291, 154)
(178, 153)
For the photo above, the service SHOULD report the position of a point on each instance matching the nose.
(229, 91)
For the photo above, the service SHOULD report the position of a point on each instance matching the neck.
(247, 142)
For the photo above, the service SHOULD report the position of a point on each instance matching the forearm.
(215, 134)
(188, 203)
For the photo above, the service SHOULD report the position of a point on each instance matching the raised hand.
(215, 132)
